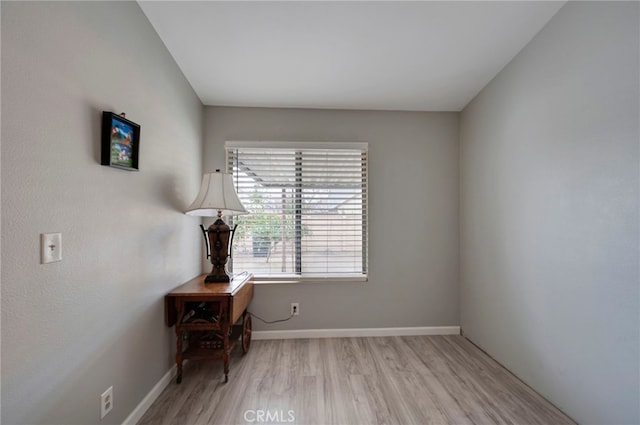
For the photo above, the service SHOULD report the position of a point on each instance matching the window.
(308, 210)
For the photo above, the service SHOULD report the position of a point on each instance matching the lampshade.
(216, 193)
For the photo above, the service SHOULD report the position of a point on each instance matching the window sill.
(262, 280)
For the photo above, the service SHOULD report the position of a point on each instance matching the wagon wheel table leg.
(246, 332)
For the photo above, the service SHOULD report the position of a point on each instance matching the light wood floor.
(390, 380)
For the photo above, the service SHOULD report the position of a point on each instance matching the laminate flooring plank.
(487, 385)
(314, 405)
(312, 410)
(192, 406)
(491, 378)
(510, 393)
(523, 402)
(262, 363)
(310, 362)
(426, 392)
(484, 394)
(362, 403)
(379, 402)
(430, 385)
(354, 356)
(423, 391)
(460, 388)
(211, 394)
(205, 397)
(169, 402)
(392, 370)
(229, 409)
(250, 385)
(429, 408)
(286, 380)
(350, 381)
(263, 375)
(338, 407)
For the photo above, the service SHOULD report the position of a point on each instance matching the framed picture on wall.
(120, 142)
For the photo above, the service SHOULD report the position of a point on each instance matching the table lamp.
(217, 196)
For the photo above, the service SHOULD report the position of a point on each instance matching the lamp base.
(217, 278)
(218, 234)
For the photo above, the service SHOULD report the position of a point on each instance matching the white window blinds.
(308, 209)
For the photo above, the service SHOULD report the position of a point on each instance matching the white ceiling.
(413, 56)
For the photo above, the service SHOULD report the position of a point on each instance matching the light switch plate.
(50, 247)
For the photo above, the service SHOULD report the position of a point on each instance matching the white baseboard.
(148, 400)
(358, 332)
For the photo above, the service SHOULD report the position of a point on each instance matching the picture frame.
(120, 142)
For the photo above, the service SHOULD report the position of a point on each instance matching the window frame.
(298, 277)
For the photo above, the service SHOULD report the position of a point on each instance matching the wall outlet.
(106, 402)
(295, 309)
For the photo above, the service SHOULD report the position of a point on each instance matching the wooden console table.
(204, 315)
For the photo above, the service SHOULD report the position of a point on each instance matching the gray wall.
(71, 329)
(549, 223)
(413, 212)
